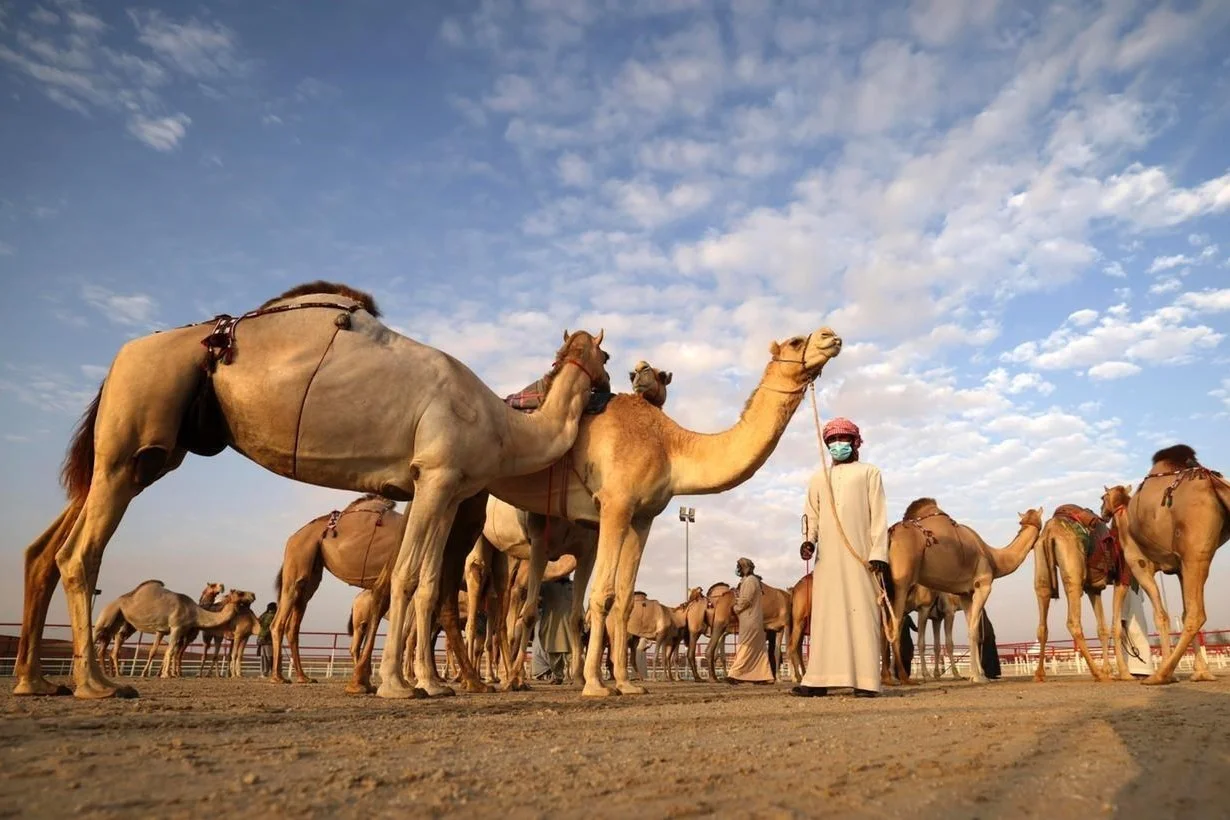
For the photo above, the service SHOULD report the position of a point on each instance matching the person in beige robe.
(845, 615)
(751, 664)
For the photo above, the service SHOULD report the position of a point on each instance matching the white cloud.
(1115, 269)
(135, 309)
(200, 50)
(1206, 301)
(574, 171)
(1083, 317)
(162, 134)
(1112, 370)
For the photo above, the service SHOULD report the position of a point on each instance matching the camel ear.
(565, 334)
(598, 338)
(666, 378)
(632, 375)
(774, 348)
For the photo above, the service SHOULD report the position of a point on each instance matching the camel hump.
(920, 506)
(147, 583)
(720, 588)
(372, 499)
(322, 287)
(1178, 456)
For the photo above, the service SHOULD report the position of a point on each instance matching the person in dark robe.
(990, 652)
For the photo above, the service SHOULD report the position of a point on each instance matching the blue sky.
(1015, 215)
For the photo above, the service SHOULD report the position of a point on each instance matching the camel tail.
(78, 468)
(277, 583)
(350, 623)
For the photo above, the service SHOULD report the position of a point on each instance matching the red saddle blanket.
(1105, 563)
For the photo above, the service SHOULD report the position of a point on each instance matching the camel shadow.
(1181, 748)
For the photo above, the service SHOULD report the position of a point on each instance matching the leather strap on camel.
(1197, 473)
(220, 343)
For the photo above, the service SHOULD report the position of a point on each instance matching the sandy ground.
(1067, 748)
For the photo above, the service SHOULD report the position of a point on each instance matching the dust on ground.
(1012, 748)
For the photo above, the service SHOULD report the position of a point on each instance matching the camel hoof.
(598, 691)
(1156, 680)
(282, 681)
(912, 682)
(1203, 676)
(435, 690)
(305, 680)
(353, 688)
(476, 687)
(629, 688)
(398, 691)
(1039, 677)
(42, 687)
(89, 692)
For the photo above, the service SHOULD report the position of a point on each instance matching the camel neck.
(1006, 560)
(706, 463)
(539, 439)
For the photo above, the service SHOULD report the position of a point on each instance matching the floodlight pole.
(688, 516)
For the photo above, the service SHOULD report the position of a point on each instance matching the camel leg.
(903, 582)
(973, 605)
(1192, 578)
(1044, 606)
(529, 608)
(79, 560)
(416, 575)
(625, 581)
(950, 619)
(1099, 614)
(361, 675)
(717, 634)
(200, 670)
(580, 580)
(173, 643)
(613, 529)
(795, 653)
(924, 619)
(153, 650)
(42, 573)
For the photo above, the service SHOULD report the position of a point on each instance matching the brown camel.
(362, 610)
(513, 581)
(151, 607)
(1078, 548)
(776, 605)
(1178, 517)
(108, 622)
(515, 532)
(927, 547)
(314, 387)
(353, 544)
(629, 462)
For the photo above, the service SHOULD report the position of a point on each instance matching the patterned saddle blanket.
(531, 397)
(1105, 564)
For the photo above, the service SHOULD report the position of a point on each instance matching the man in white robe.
(1136, 634)
(845, 613)
(751, 664)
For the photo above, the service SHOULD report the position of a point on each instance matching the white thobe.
(1136, 639)
(845, 617)
(751, 657)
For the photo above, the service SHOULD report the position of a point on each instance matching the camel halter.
(888, 618)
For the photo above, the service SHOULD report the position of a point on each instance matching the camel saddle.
(531, 397)
(1105, 563)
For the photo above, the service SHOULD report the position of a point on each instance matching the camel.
(1177, 518)
(939, 608)
(651, 622)
(361, 612)
(353, 544)
(1077, 548)
(697, 619)
(314, 387)
(629, 461)
(512, 532)
(151, 607)
(776, 605)
(927, 547)
(109, 623)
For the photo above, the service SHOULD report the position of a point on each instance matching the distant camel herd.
(562, 478)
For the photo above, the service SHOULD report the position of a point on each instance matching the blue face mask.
(841, 450)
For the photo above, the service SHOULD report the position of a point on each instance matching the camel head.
(1114, 499)
(585, 351)
(1031, 518)
(242, 600)
(213, 588)
(695, 594)
(1178, 457)
(650, 382)
(806, 356)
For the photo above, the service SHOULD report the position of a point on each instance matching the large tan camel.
(513, 579)
(353, 544)
(513, 532)
(151, 607)
(1178, 517)
(109, 623)
(1077, 548)
(631, 460)
(697, 620)
(776, 606)
(311, 386)
(927, 547)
